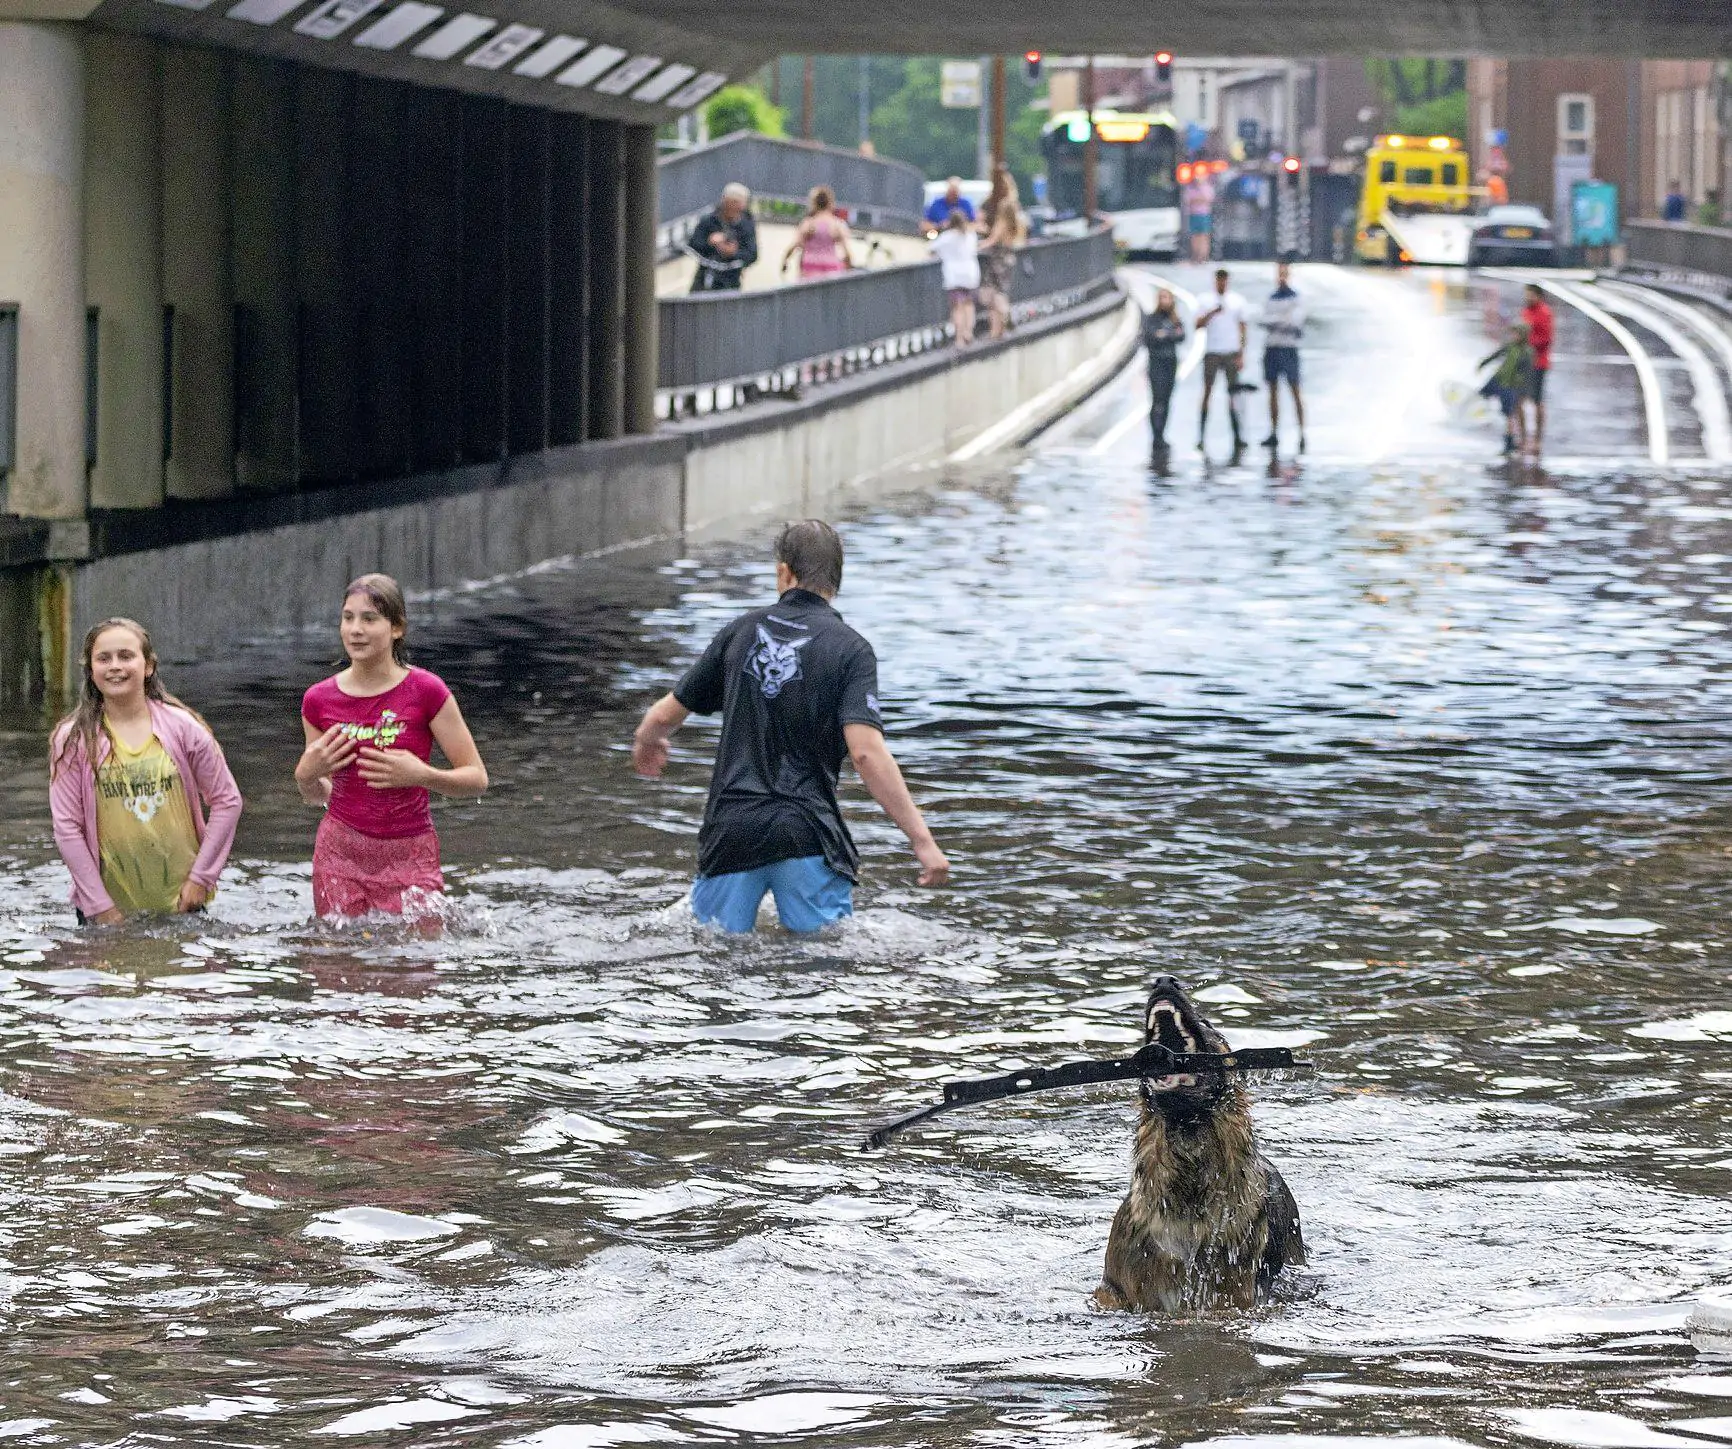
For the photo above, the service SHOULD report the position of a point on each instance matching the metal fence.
(719, 349)
(878, 194)
(1699, 254)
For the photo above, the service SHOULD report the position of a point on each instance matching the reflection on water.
(1422, 770)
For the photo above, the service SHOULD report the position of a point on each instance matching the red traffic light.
(1291, 165)
(1163, 57)
(1031, 65)
(1031, 56)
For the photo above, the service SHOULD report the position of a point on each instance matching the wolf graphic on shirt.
(773, 664)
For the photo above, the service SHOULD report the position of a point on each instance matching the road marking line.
(1711, 405)
(1653, 402)
(1193, 355)
(1088, 376)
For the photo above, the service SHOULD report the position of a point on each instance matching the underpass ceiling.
(1696, 28)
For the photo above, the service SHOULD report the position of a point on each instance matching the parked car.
(1513, 235)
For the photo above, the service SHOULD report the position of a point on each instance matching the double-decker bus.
(1135, 188)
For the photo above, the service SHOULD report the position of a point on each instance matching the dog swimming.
(1208, 1222)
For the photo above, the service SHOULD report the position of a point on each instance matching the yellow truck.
(1416, 202)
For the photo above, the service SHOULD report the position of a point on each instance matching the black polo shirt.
(786, 679)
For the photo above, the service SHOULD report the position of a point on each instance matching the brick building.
(1638, 123)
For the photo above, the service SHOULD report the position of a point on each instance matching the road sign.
(959, 85)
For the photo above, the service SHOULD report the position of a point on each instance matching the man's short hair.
(736, 191)
(812, 551)
(1221, 272)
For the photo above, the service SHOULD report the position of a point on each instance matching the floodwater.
(1417, 764)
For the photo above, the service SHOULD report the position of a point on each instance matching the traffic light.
(1164, 67)
(1031, 66)
(1291, 165)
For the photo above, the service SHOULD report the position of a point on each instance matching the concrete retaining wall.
(853, 441)
(274, 563)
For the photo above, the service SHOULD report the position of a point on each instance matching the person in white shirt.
(958, 251)
(1224, 332)
(1284, 326)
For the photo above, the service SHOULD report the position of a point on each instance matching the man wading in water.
(798, 692)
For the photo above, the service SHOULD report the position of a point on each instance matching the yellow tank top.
(146, 842)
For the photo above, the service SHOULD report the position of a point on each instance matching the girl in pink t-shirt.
(370, 735)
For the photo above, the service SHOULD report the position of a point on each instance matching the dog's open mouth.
(1167, 1026)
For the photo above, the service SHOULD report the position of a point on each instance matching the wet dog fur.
(1208, 1222)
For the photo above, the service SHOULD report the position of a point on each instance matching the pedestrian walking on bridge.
(821, 239)
(798, 693)
(725, 242)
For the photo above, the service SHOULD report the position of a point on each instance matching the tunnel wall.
(238, 275)
(269, 564)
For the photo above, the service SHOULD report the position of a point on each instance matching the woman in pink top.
(821, 240)
(143, 803)
(370, 733)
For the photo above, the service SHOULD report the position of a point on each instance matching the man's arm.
(881, 776)
(649, 746)
(748, 252)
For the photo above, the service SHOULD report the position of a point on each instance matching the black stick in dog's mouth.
(1154, 1060)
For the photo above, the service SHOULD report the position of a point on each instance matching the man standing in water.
(1284, 323)
(798, 692)
(1224, 330)
(1538, 316)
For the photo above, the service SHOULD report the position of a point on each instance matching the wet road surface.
(1406, 758)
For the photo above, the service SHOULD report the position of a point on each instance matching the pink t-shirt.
(399, 719)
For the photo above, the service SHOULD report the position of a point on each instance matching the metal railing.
(877, 194)
(720, 349)
(1701, 255)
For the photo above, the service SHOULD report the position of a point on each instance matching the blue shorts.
(809, 896)
(1281, 362)
(1198, 225)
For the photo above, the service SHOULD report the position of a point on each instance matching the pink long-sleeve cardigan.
(203, 773)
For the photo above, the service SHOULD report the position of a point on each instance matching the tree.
(912, 126)
(741, 108)
(1428, 97)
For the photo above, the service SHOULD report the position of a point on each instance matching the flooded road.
(1409, 760)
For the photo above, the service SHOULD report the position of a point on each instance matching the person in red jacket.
(1538, 316)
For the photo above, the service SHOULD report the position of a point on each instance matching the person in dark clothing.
(798, 693)
(1163, 331)
(725, 242)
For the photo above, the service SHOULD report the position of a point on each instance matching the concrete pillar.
(262, 167)
(433, 224)
(196, 278)
(527, 329)
(606, 279)
(568, 277)
(123, 264)
(326, 283)
(42, 260)
(486, 300)
(639, 342)
(379, 245)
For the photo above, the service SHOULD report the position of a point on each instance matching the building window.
(1575, 125)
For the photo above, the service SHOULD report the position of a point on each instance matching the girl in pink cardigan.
(132, 775)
